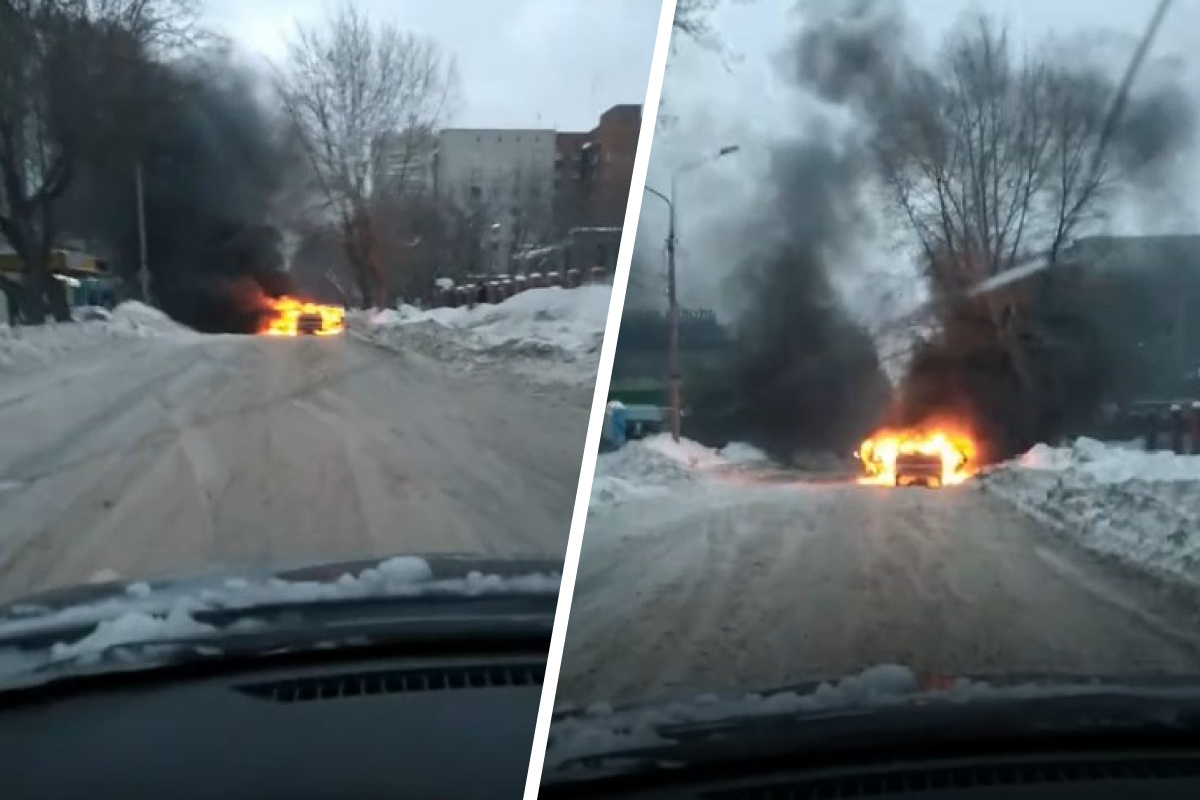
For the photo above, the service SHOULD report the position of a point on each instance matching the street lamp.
(673, 376)
(143, 268)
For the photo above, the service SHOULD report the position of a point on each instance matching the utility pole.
(674, 390)
(674, 375)
(144, 270)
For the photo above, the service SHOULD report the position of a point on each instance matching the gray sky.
(524, 63)
(739, 99)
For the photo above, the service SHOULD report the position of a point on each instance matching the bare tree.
(467, 235)
(412, 229)
(693, 20)
(404, 161)
(529, 214)
(348, 84)
(997, 160)
(991, 160)
(691, 17)
(63, 87)
(994, 161)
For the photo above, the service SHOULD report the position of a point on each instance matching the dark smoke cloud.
(806, 377)
(850, 53)
(857, 54)
(215, 159)
(1156, 126)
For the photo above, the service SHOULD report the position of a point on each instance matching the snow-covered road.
(154, 456)
(729, 589)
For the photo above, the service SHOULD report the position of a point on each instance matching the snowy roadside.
(548, 335)
(657, 466)
(1141, 507)
(29, 347)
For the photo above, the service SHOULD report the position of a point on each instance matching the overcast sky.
(740, 99)
(524, 63)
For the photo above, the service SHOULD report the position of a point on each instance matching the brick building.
(612, 154)
(572, 196)
(593, 171)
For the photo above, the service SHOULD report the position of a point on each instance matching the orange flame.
(881, 451)
(286, 314)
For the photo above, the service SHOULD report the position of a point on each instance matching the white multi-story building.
(506, 176)
(406, 161)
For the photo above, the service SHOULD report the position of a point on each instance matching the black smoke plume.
(214, 159)
(1053, 380)
(805, 376)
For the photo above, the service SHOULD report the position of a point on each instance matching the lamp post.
(143, 268)
(674, 378)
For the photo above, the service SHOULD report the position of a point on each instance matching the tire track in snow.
(742, 589)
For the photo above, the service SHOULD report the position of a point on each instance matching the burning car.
(914, 468)
(931, 457)
(310, 324)
(287, 316)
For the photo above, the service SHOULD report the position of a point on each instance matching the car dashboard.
(457, 727)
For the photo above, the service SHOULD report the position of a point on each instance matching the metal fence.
(1159, 424)
(501, 287)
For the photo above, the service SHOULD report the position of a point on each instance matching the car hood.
(91, 629)
(112, 593)
(885, 706)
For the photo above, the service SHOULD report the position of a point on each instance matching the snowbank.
(740, 453)
(392, 317)
(571, 320)
(685, 451)
(27, 347)
(1141, 506)
(546, 325)
(658, 466)
(1109, 464)
(638, 471)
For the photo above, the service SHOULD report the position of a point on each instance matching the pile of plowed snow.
(1141, 506)
(638, 471)
(138, 319)
(560, 330)
(657, 466)
(31, 346)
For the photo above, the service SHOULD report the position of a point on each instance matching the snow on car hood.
(140, 612)
(601, 733)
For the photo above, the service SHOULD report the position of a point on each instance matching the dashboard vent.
(362, 684)
(925, 781)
